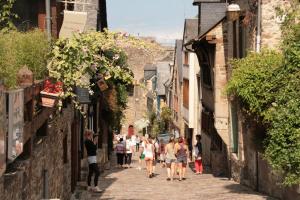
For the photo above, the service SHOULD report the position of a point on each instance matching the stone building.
(32, 14)
(45, 154)
(137, 101)
(191, 106)
(227, 134)
(44, 165)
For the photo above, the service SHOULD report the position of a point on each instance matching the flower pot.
(49, 99)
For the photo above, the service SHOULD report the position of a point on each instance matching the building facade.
(227, 133)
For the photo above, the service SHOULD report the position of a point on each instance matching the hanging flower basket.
(49, 99)
(51, 93)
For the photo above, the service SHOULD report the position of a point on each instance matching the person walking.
(181, 152)
(120, 151)
(170, 159)
(149, 156)
(91, 148)
(197, 153)
(162, 153)
(156, 149)
(129, 151)
(138, 141)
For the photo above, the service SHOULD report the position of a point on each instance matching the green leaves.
(18, 49)
(6, 15)
(269, 86)
(93, 54)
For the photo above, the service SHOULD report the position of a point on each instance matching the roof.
(209, 19)
(196, 2)
(163, 74)
(178, 58)
(150, 67)
(190, 29)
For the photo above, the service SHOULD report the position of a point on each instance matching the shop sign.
(15, 123)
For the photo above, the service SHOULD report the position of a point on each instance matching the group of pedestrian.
(125, 147)
(174, 155)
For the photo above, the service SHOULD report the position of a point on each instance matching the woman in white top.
(129, 151)
(149, 156)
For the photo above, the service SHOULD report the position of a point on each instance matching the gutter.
(258, 32)
(48, 19)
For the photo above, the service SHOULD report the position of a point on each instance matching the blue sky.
(163, 19)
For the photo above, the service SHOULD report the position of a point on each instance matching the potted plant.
(50, 93)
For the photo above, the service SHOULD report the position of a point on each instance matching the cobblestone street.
(132, 184)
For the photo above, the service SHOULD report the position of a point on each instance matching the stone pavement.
(132, 184)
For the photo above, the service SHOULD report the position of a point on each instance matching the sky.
(162, 19)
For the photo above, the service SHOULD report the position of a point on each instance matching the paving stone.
(132, 184)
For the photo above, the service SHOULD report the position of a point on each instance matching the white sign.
(15, 123)
(73, 22)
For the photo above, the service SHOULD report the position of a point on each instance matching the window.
(186, 93)
(234, 127)
(130, 90)
(239, 39)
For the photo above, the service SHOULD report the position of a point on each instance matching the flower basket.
(49, 99)
(51, 93)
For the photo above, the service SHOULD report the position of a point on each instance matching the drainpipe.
(48, 19)
(258, 32)
(258, 48)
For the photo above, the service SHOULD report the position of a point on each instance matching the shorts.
(142, 157)
(169, 161)
(182, 160)
(148, 158)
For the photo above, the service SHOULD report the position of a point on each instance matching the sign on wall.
(2, 133)
(15, 123)
(73, 22)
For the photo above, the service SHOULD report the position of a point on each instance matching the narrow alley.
(132, 184)
(210, 88)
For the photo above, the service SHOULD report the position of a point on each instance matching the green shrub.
(268, 83)
(18, 49)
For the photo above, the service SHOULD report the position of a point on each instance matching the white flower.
(91, 92)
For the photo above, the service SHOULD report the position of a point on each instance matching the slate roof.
(178, 58)
(211, 15)
(196, 2)
(163, 74)
(190, 29)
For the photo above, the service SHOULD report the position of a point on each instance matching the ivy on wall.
(268, 84)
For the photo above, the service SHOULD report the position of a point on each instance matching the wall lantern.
(233, 12)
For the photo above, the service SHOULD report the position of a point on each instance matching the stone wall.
(92, 12)
(47, 164)
(137, 104)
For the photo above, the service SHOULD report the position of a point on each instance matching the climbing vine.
(85, 56)
(268, 85)
(6, 14)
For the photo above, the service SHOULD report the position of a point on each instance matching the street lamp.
(233, 11)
